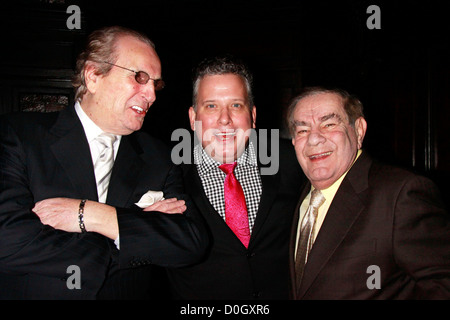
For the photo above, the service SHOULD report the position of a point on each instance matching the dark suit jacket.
(47, 155)
(230, 271)
(381, 216)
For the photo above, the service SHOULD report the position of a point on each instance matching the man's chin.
(223, 153)
(220, 155)
(135, 126)
(223, 157)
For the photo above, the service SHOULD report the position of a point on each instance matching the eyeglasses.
(142, 77)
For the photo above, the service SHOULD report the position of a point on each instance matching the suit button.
(250, 254)
(256, 294)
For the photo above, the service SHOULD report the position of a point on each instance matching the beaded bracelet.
(80, 216)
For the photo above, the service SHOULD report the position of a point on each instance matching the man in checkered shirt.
(223, 118)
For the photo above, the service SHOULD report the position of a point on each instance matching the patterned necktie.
(236, 215)
(306, 240)
(103, 165)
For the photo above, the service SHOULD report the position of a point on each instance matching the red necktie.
(236, 215)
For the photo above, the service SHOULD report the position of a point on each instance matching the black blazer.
(385, 217)
(47, 155)
(230, 271)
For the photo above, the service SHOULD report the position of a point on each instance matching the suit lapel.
(343, 212)
(194, 183)
(270, 185)
(293, 238)
(125, 174)
(71, 150)
(197, 193)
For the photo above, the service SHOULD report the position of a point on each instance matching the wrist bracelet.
(80, 216)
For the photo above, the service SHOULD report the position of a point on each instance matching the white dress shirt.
(91, 131)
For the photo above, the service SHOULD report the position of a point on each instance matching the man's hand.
(62, 214)
(59, 213)
(171, 205)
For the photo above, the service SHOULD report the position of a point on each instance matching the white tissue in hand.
(149, 198)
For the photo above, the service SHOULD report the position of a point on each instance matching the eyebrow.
(215, 100)
(330, 116)
(321, 119)
(300, 123)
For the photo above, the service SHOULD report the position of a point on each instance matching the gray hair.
(100, 48)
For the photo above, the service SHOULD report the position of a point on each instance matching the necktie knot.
(317, 199)
(228, 167)
(106, 139)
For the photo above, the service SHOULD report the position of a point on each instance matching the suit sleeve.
(168, 240)
(422, 238)
(28, 246)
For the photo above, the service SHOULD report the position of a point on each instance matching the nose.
(315, 137)
(148, 92)
(224, 117)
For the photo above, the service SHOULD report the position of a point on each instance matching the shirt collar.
(205, 163)
(329, 192)
(90, 128)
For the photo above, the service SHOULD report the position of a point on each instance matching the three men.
(58, 210)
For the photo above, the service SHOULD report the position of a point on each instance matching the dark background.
(400, 72)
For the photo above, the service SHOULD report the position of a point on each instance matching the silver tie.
(306, 240)
(103, 165)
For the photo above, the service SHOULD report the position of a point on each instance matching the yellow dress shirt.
(328, 194)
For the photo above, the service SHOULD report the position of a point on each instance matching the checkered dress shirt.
(246, 172)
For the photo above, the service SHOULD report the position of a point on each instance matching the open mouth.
(225, 135)
(320, 156)
(139, 110)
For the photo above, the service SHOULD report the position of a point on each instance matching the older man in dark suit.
(94, 185)
(362, 230)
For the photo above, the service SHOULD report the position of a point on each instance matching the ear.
(192, 116)
(91, 77)
(360, 128)
(254, 117)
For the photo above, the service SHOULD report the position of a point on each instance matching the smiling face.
(225, 118)
(115, 101)
(325, 143)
